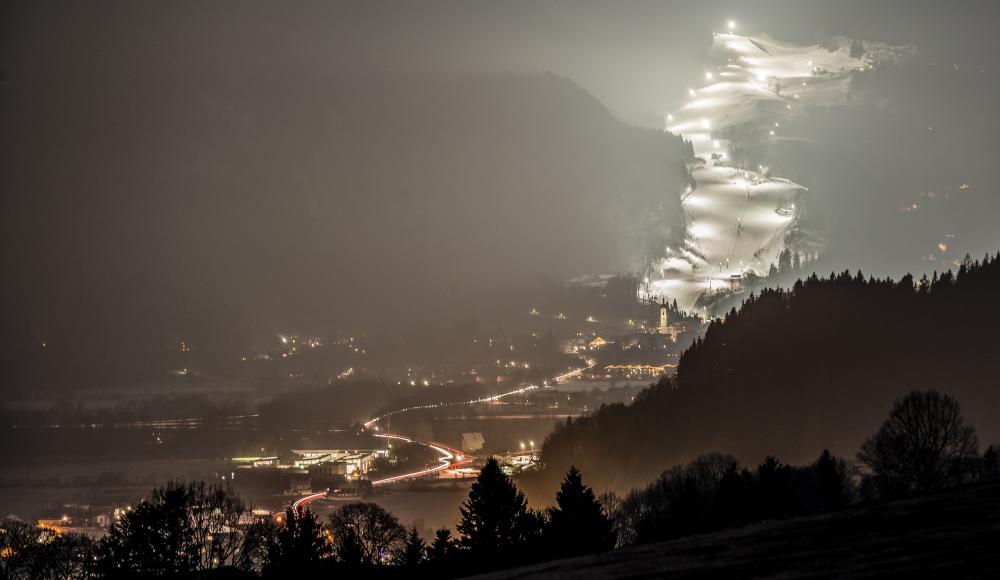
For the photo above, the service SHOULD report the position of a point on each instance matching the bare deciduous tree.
(923, 445)
(16, 542)
(367, 532)
(32, 552)
(217, 516)
(179, 529)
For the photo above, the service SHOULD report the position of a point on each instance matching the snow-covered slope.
(738, 215)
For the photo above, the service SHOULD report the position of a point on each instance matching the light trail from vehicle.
(491, 399)
(575, 372)
(304, 500)
(449, 457)
(448, 454)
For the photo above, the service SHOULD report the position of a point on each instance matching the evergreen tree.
(298, 543)
(578, 524)
(414, 550)
(774, 492)
(349, 549)
(831, 488)
(443, 546)
(495, 523)
(990, 464)
(785, 261)
(734, 499)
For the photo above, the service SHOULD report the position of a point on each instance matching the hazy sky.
(637, 56)
(167, 163)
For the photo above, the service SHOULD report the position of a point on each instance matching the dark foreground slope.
(953, 534)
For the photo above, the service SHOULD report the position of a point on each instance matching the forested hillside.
(793, 372)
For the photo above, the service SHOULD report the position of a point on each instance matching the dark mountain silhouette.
(348, 203)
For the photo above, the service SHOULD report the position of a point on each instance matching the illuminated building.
(472, 442)
(337, 461)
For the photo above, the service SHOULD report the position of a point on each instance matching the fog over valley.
(531, 288)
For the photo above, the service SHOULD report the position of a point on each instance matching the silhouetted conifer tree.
(578, 525)
(774, 493)
(785, 261)
(296, 544)
(831, 491)
(990, 465)
(734, 499)
(414, 550)
(496, 523)
(443, 547)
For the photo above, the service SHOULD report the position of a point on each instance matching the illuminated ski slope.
(737, 214)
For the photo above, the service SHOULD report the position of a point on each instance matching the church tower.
(663, 317)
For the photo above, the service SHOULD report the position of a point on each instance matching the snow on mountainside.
(738, 214)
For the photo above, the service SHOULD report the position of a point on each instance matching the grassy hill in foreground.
(952, 534)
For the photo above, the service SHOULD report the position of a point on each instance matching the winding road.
(449, 457)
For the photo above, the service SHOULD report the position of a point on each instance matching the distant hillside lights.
(636, 371)
(288, 346)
